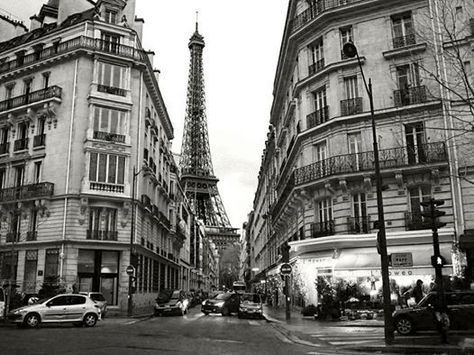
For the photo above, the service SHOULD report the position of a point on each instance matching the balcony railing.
(284, 195)
(31, 236)
(315, 67)
(102, 235)
(322, 229)
(39, 140)
(12, 237)
(358, 224)
(403, 41)
(111, 90)
(20, 144)
(32, 97)
(410, 96)
(415, 221)
(351, 106)
(111, 137)
(26, 192)
(317, 8)
(146, 201)
(102, 186)
(4, 148)
(81, 42)
(351, 163)
(317, 117)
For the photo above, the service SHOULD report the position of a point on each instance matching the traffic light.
(438, 261)
(133, 283)
(432, 213)
(285, 252)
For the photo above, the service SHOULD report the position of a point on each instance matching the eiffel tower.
(197, 174)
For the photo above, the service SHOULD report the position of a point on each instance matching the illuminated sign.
(401, 260)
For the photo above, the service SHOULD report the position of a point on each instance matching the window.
(418, 194)
(15, 228)
(316, 57)
(325, 210)
(4, 145)
(27, 85)
(103, 220)
(9, 91)
(19, 175)
(359, 212)
(59, 301)
(106, 168)
(110, 42)
(354, 142)
(2, 178)
(51, 266)
(346, 36)
(321, 111)
(350, 87)
(111, 76)
(403, 32)
(31, 263)
(8, 261)
(41, 125)
(110, 16)
(415, 140)
(46, 79)
(109, 120)
(75, 300)
(34, 220)
(37, 172)
(21, 142)
(409, 85)
(353, 103)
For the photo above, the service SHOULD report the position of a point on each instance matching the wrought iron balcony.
(322, 229)
(20, 144)
(317, 8)
(111, 137)
(317, 117)
(351, 106)
(316, 67)
(404, 41)
(284, 195)
(351, 163)
(32, 97)
(146, 201)
(80, 42)
(12, 237)
(164, 220)
(4, 148)
(415, 221)
(358, 224)
(105, 187)
(290, 145)
(95, 234)
(410, 96)
(27, 192)
(31, 236)
(111, 90)
(39, 140)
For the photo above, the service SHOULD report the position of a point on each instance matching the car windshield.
(175, 295)
(425, 301)
(164, 296)
(223, 296)
(97, 297)
(250, 298)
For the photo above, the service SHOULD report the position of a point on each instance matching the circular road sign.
(130, 270)
(285, 269)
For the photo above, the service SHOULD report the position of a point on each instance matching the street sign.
(130, 270)
(401, 259)
(285, 269)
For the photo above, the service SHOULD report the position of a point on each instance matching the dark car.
(171, 302)
(421, 316)
(250, 305)
(224, 303)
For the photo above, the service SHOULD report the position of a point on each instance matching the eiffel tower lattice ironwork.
(197, 173)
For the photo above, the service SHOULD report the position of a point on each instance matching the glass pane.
(102, 167)
(85, 263)
(106, 76)
(93, 167)
(96, 119)
(104, 122)
(121, 170)
(117, 76)
(110, 262)
(112, 169)
(114, 120)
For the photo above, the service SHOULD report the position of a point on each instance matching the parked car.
(224, 303)
(421, 316)
(65, 308)
(171, 302)
(250, 305)
(98, 298)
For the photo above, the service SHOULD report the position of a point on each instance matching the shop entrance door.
(107, 288)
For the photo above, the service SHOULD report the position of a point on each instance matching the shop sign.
(401, 259)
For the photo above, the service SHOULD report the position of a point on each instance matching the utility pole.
(285, 271)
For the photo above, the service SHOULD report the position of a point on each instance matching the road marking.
(132, 322)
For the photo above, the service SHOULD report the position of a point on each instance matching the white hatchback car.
(65, 308)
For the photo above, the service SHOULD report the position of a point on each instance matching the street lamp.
(132, 276)
(350, 51)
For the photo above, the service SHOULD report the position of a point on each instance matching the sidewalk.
(301, 330)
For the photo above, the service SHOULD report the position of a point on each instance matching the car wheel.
(225, 311)
(32, 320)
(90, 319)
(404, 326)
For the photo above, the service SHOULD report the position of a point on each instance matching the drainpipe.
(68, 168)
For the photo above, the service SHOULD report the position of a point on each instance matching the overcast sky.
(242, 46)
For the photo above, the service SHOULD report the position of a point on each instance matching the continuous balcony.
(106, 187)
(4, 148)
(20, 144)
(111, 90)
(110, 137)
(322, 229)
(39, 140)
(410, 96)
(351, 106)
(35, 96)
(317, 8)
(80, 42)
(317, 117)
(27, 192)
(95, 234)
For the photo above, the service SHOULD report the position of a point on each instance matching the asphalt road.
(193, 333)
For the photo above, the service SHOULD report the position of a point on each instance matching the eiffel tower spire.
(197, 173)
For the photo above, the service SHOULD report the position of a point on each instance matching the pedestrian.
(418, 291)
(441, 317)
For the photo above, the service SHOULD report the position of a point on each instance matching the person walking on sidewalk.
(418, 291)
(441, 317)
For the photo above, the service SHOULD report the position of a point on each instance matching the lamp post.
(350, 51)
(132, 277)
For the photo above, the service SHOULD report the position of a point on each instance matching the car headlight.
(178, 304)
(20, 311)
(219, 304)
(203, 303)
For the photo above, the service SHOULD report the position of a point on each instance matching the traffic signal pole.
(287, 298)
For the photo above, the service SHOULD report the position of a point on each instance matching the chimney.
(35, 22)
(69, 7)
(157, 73)
(151, 56)
(138, 27)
